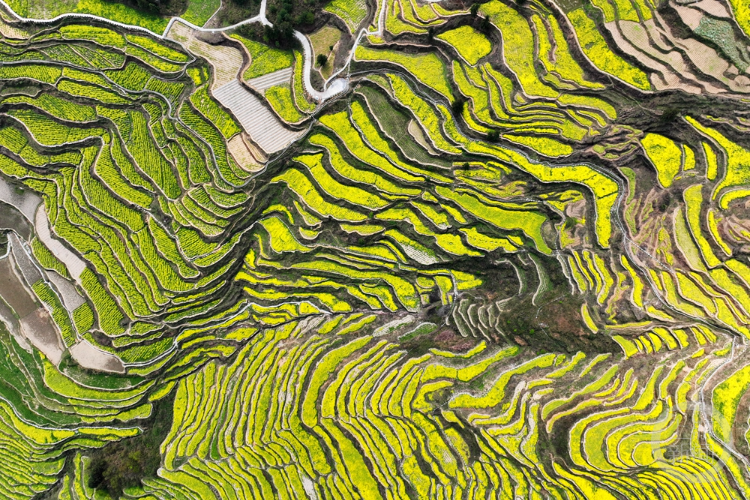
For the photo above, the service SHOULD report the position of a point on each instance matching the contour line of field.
(341, 85)
(331, 91)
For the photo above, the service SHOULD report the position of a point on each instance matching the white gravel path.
(335, 87)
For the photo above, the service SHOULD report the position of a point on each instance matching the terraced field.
(502, 252)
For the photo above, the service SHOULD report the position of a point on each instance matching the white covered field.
(258, 121)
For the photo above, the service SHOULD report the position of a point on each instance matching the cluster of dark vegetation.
(294, 13)
(234, 11)
(281, 36)
(272, 36)
(159, 7)
(458, 106)
(123, 464)
(285, 15)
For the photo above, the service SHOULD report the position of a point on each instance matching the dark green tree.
(458, 105)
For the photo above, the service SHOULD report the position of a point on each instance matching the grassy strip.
(470, 44)
(281, 99)
(215, 113)
(200, 11)
(264, 59)
(352, 12)
(427, 68)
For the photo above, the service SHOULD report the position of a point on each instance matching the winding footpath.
(336, 87)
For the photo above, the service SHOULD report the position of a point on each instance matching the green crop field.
(484, 250)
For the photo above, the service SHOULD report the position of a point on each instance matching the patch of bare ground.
(29, 271)
(668, 64)
(8, 319)
(35, 323)
(13, 291)
(702, 56)
(714, 8)
(24, 201)
(41, 332)
(325, 44)
(12, 219)
(71, 299)
(225, 60)
(418, 134)
(448, 340)
(246, 155)
(88, 356)
(9, 31)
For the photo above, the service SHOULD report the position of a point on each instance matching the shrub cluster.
(286, 16)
